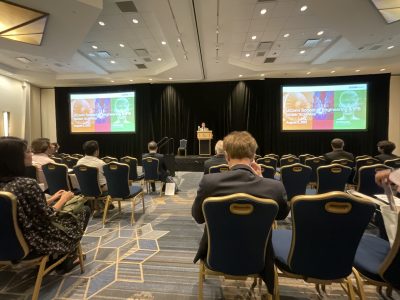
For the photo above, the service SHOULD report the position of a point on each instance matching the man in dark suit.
(217, 159)
(244, 177)
(385, 149)
(338, 152)
(162, 167)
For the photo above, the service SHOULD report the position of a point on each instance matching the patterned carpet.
(150, 260)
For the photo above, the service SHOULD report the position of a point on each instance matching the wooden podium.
(204, 138)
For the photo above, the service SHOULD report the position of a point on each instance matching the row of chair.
(322, 250)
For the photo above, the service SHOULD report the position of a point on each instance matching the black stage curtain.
(175, 110)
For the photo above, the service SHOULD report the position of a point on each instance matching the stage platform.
(193, 163)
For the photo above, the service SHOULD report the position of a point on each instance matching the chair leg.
(360, 285)
(350, 289)
(119, 206)
(389, 291)
(39, 278)
(201, 280)
(106, 209)
(133, 212)
(142, 195)
(80, 255)
(276, 284)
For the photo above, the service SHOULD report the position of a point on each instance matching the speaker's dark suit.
(382, 157)
(240, 179)
(338, 154)
(214, 161)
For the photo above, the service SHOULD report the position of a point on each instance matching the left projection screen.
(102, 113)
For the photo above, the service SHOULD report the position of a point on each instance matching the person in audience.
(385, 149)
(54, 149)
(41, 150)
(40, 223)
(244, 177)
(338, 152)
(163, 172)
(217, 159)
(91, 159)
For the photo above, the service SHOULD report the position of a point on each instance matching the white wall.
(394, 112)
(48, 114)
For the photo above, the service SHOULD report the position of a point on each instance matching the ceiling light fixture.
(179, 40)
(135, 21)
(253, 37)
(163, 42)
(302, 51)
(333, 71)
(320, 32)
(159, 59)
(390, 47)
(112, 81)
(308, 73)
(130, 80)
(303, 8)
(170, 78)
(24, 60)
(262, 75)
(263, 11)
(94, 47)
(286, 35)
(150, 79)
(122, 45)
(383, 69)
(240, 75)
(112, 61)
(358, 70)
(101, 23)
(247, 54)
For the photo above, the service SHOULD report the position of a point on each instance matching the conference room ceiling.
(205, 40)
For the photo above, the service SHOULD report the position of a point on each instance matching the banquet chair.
(332, 178)
(31, 172)
(303, 158)
(267, 171)
(288, 160)
(182, 147)
(295, 179)
(218, 168)
(268, 161)
(361, 163)
(344, 162)
(314, 163)
(393, 163)
(276, 156)
(362, 157)
(77, 155)
(108, 159)
(150, 170)
(132, 163)
(70, 161)
(56, 177)
(366, 182)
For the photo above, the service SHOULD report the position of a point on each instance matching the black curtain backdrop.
(175, 110)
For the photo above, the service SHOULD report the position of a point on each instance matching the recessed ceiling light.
(320, 32)
(303, 8)
(122, 45)
(240, 75)
(130, 80)
(263, 11)
(163, 42)
(159, 59)
(358, 70)
(170, 78)
(150, 79)
(94, 47)
(247, 54)
(111, 80)
(91, 54)
(262, 75)
(302, 51)
(101, 23)
(333, 71)
(135, 21)
(308, 73)
(112, 61)
(383, 69)
(390, 47)
(179, 40)
(253, 37)
(24, 60)
(286, 35)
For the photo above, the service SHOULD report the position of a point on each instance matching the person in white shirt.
(91, 159)
(41, 150)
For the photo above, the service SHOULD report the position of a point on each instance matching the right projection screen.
(324, 107)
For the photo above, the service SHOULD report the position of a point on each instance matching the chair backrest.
(327, 229)
(268, 161)
(362, 157)
(117, 176)
(150, 168)
(303, 157)
(182, 143)
(289, 160)
(14, 246)
(366, 179)
(77, 155)
(344, 162)
(70, 161)
(31, 172)
(390, 268)
(234, 221)
(332, 178)
(132, 163)
(276, 156)
(267, 171)
(295, 178)
(57, 159)
(314, 163)
(88, 180)
(393, 163)
(56, 177)
(108, 159)
(218, 168)
(364, 162)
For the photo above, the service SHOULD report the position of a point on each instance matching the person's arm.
(382, 177)
(282, 202)
(197, 211)
(64, 198)
(55, 197)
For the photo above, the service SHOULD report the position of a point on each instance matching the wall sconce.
(6, 123)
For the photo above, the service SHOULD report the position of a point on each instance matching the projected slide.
(331, 107)
(102, 113)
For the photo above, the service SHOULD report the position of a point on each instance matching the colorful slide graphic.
(102, 113)
(331, 107)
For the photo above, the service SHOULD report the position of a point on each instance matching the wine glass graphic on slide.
(349, 103)
(121, 109)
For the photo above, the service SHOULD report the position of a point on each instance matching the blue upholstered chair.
(117, 176)
(182, 146)
(332, 178)
(150, 170)
(295, 178)
(132, 163)
(361, 163)
(303, 158)
(377, 263)
(70, 161)
(326, 230)
(314, 163)
(288, 160)
(56, 177)
(267, 171)
(57, 159)
(393, 163)
(344, 162)
(108, 159)
(362, 157)
(16, 252)
(366, 179)
(268, 161)
(233, 221)
(276, 156)
(218, 168)
(31, 172)
(77, 155)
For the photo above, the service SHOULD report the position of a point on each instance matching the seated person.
(91, 159)
(385, 149)
(163, 172)
(41, 150)
(54, 149)
(244, 177)
(37, 220)
(337, 151)
(217, 159)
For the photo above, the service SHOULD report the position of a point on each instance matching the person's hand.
(382, 177)
(67, 195)
(58, 194)
(256, 168)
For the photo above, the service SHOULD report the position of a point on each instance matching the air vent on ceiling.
(141, 66)
(262, 1)
(103, 54)
(269, 60)
(126, 6)
(260, 54)
(147, 59)
(264, 46)
(142, 52)
(58, 65)
(375, 47)
(311, 43)
(24, 60)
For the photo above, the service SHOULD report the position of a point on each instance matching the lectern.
(204, 138)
